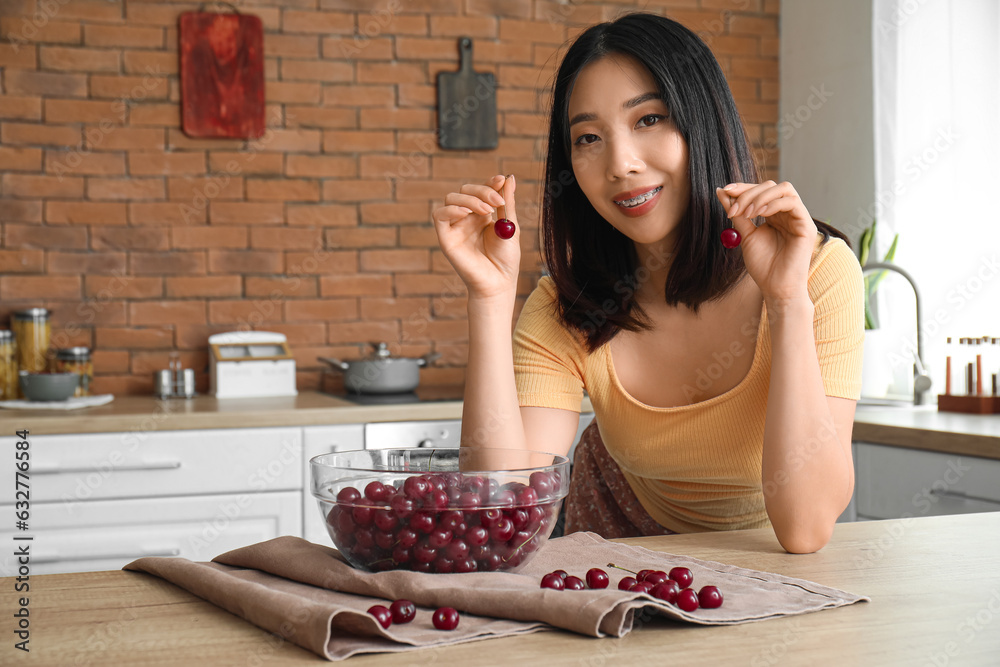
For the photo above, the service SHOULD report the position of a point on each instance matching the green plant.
(872, 280)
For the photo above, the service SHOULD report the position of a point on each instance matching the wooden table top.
(934, 584)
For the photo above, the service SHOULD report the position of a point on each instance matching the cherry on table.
(574, 583)
(554, 581)
(445, 618)
(682, 576)
(656, 577)
(641, 587)
(403, 611)
(382, 615)
(687, 599)
(666, 591)
(627, 583)
(710, 597)
(597, 578)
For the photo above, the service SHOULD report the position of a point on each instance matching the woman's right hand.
(486, 263)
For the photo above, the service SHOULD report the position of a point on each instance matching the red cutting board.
(222, 75)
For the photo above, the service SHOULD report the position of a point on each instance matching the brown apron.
(600, 499)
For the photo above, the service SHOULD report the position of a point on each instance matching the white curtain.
(937, 134)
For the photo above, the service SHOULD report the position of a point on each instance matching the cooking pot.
(382, 373)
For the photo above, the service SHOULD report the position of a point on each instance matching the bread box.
(246, 364)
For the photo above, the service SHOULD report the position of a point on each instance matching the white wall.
(946, 215)
(826, 124)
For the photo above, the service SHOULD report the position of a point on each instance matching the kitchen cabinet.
(896, 482)
(98, 501)
(107, 534)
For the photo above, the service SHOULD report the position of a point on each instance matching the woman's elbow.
(803, 540)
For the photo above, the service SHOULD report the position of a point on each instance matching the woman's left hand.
(776, 254)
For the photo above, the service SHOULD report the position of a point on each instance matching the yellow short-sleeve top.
(694, 467)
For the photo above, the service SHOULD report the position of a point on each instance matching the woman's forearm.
(490, 415)
(807, 472)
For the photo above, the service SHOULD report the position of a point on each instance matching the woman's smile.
(635, 205)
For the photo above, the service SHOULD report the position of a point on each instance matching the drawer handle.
(959, 495)
(116, 555)
(143, 465)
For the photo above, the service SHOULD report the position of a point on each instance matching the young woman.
(723, 381)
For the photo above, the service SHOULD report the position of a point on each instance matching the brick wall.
(143, 241)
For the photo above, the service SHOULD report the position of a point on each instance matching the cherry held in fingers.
(730, 238)
(504, 228)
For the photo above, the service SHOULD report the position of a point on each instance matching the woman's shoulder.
(543, 300)
(835, 269)
(541, 313)
(833, 253)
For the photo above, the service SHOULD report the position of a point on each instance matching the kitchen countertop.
(923, 427)
(920, 427)
(934, 584)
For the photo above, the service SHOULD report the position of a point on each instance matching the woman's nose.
(623, 159)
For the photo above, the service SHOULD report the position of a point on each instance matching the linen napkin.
(308, 594)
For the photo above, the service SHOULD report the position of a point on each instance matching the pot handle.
(337, 364)
(428, 358)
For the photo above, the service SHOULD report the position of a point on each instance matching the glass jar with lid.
(8, 366)
(32, 333)
(77, 360)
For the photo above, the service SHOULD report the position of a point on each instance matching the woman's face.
(629, 159)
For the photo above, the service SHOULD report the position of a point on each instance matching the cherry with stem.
(503, 227)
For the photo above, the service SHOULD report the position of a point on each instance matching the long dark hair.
(595, 267)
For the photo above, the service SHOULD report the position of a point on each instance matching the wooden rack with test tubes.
(976, 361)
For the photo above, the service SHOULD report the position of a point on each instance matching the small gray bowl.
(49, 386)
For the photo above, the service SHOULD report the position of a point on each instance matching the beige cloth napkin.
(308, 594)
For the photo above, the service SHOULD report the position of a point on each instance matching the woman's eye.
(651, 119)
(585, 139)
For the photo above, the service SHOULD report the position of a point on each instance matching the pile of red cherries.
(444, 522)
(404, 611)
(673, 587)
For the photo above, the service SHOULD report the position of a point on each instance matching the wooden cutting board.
(467, 107)
(222, 75)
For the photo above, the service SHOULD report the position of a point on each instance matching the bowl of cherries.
(439, 510)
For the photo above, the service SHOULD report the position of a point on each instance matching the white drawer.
(108, 534)
(76, 468)
(895, 482)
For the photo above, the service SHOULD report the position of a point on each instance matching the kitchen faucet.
(921, 380)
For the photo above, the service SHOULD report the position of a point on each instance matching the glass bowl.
(439, 510)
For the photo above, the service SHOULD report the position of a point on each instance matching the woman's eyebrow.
(629, 104)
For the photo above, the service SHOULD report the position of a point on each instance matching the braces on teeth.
(641, 199)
